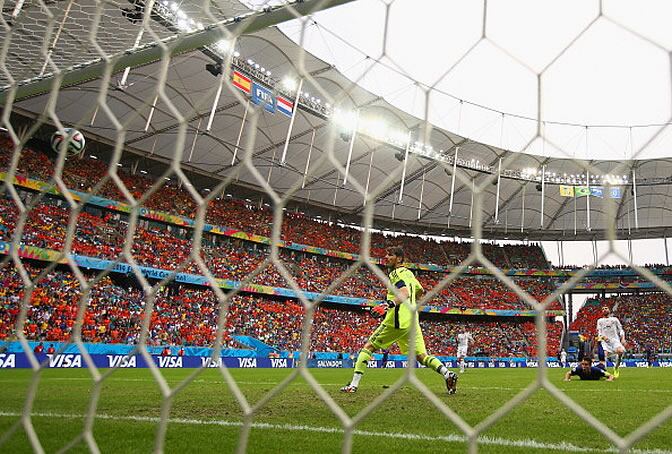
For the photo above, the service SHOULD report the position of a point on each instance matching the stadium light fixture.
(290, 83)
(214, 69)
(345, 120)
(93, 156)
(223, 45)
(374, 127)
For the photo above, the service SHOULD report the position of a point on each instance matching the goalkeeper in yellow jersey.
(399, 318)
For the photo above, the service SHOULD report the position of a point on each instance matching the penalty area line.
(482, 440)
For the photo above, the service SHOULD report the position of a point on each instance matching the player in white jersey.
(563, 358)
(612, 338)
(463, 340)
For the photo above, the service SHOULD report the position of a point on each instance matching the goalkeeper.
(399, 317)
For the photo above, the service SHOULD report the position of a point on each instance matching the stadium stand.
(187, 315)
(646, 320)
(162, 246)
(84, 174)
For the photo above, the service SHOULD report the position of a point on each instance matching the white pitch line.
(606, 388)
(151, 380)
(483, 440)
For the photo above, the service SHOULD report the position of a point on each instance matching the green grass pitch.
(205, 417)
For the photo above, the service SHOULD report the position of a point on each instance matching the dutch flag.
(284, 105)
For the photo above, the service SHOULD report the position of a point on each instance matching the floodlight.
(289, 83)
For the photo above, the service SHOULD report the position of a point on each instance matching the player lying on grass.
(395, 327)
(586, 371)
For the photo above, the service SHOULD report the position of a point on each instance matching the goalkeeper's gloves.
(381, 308)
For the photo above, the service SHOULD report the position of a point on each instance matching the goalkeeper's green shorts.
(386, 335)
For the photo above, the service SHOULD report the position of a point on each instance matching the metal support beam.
(403, 173)
(634, 197)
(543, 195)
(588, 202)
(291, 122)
(310, 152)
(499, 181)
(422, 191)
(522, 211)
(452, 185)
(351, 147)
(211, 118)
(151, 113)
(368, 177)
(178, 44)
(471, 206)
(240, 133)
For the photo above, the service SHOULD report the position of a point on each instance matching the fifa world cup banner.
(76, 361)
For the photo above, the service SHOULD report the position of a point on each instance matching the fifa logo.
(263, 95)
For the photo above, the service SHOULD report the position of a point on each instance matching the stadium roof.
(511, 209)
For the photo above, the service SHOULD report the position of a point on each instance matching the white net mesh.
(203, 109)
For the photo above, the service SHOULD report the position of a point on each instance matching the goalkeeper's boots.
(451, 382)
(349, 389)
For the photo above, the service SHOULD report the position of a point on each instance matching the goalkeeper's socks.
(362, 360)
(434, 363)
(356, 378)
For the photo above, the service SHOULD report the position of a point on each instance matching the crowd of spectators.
(101, 234)
(187, 315)
(585, 321)
(622, 266)
(86, 174)
(646, 320)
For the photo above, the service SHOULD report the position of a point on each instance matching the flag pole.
(291, 122)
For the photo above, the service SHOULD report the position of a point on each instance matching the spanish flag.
(567, 191)
(242, 82)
